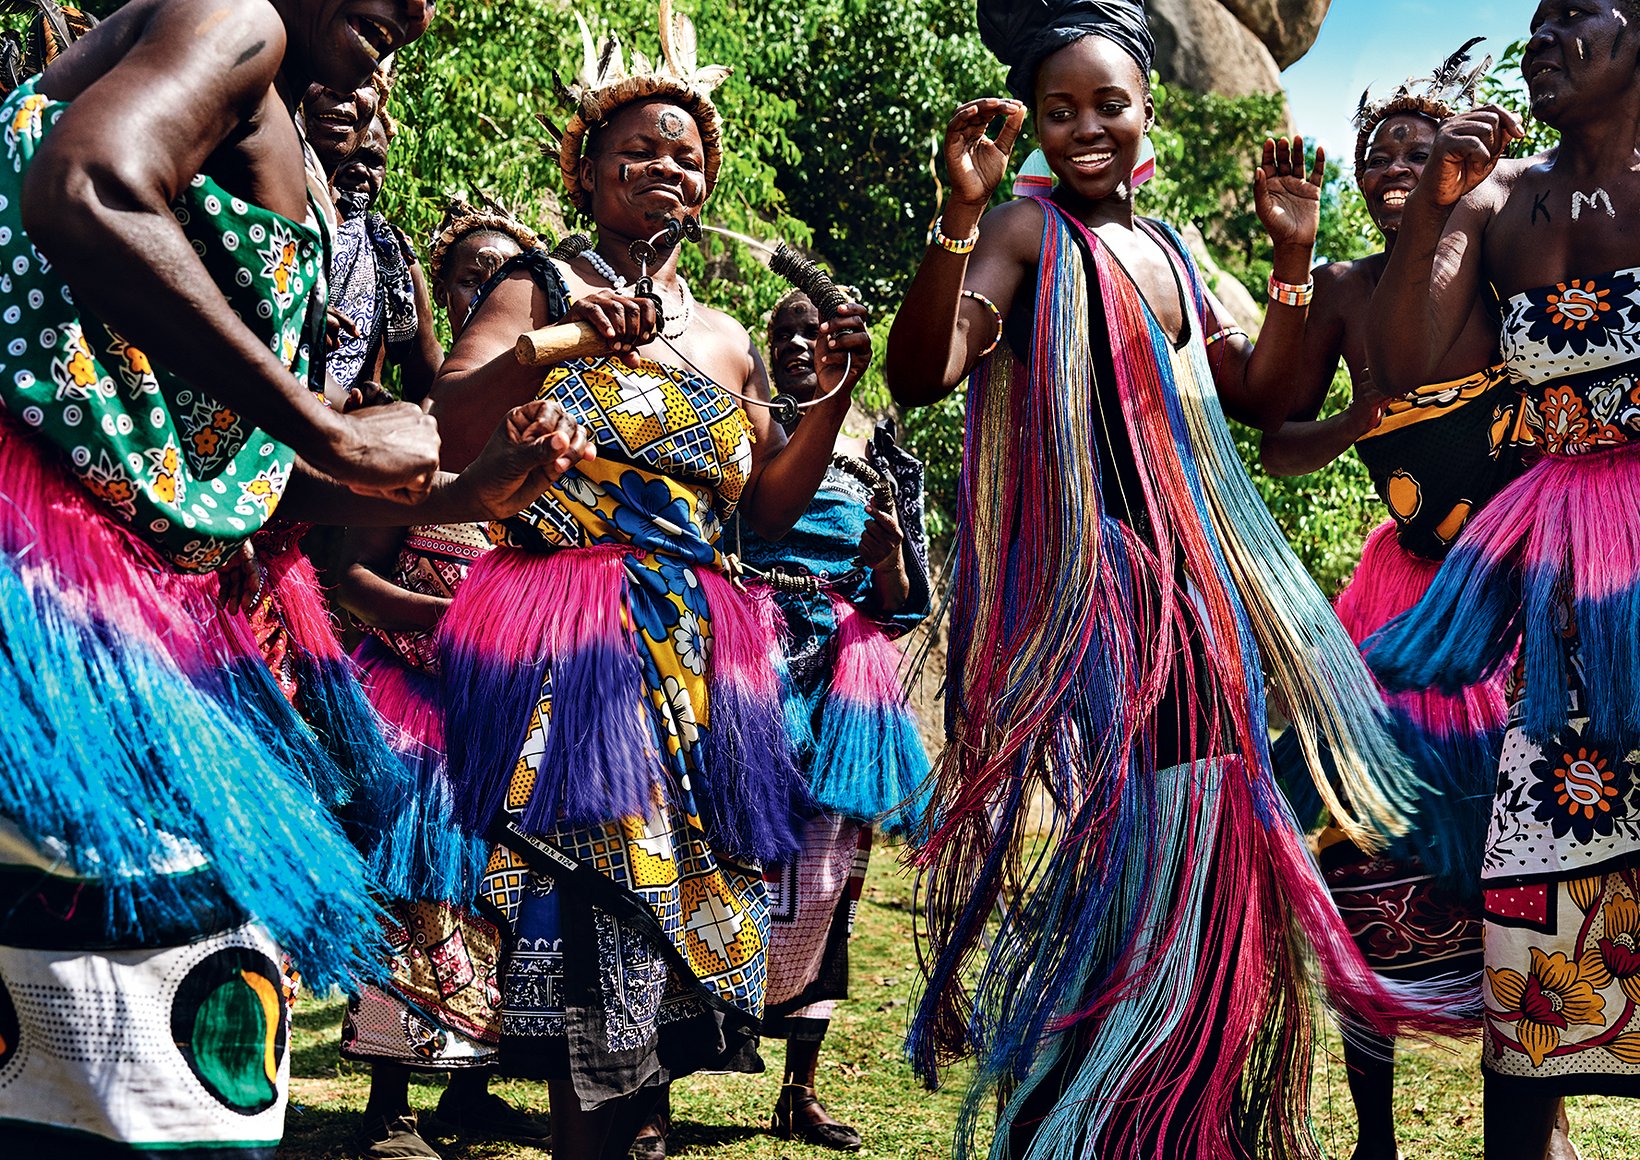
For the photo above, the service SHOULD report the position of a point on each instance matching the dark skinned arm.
(526, 454)
(1433, 278)
(1256, 383)
(96, 202)
(1302, 443)
(368, 557)
(938, 334)
(1300, 447)
(882, 549)
(482, 379)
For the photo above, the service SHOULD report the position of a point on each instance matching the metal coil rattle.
(564, 341)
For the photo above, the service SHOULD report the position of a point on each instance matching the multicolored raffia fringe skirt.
(1551, 563)
(1415, 910)
(160, 822)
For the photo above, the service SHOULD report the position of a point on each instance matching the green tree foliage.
(871, 86)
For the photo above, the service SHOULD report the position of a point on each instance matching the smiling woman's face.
(1093, 108)
(1393, 163)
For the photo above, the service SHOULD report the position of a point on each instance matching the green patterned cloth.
(189, 476)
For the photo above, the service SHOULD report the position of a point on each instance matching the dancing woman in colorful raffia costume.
(1551, 565)
(1436, 457)
(1148, 993)
(613, 710)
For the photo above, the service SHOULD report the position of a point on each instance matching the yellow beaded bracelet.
(953, 245)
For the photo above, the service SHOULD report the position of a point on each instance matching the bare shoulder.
(1017, 224)
(515, 302)
(1343, 289)
(724, 328)
(1513, 175)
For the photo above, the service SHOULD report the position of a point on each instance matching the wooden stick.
(556, 344)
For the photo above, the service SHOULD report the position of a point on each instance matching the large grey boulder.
(1286, 27)
(1232, 47)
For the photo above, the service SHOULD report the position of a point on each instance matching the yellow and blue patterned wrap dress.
(636, 932)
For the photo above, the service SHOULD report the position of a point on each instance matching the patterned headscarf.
(1024, 33)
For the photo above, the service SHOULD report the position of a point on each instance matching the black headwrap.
(1023, 33)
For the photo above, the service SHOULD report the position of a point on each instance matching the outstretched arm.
(526, 454)
(1299, 447)
(1434, 274)
(938, 334)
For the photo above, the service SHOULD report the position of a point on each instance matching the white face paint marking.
(1582, 49)
(1621, 19)
(1599, 199)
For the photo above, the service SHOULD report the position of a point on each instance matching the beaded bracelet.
(1290, 295)
(1226, 332)
(992, 306)
(953, 245)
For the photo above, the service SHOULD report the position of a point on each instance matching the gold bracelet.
(984, 301)
(1290, 295)
(953, 245)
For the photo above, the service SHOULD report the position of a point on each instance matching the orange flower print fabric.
(1575, 345)
(1562, 983)
(187, 474)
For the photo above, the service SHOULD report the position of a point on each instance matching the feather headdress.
(1443, 92)
(605, 83)
(462, 218)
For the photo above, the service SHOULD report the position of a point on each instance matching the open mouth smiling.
(377, 37)
(1092, 160)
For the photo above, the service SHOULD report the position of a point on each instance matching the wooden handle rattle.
(556, 344)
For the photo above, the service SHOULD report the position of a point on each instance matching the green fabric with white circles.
(188, 475)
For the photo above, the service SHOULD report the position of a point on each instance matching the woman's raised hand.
(975, 162)
(1289, 201)
(1467, 149)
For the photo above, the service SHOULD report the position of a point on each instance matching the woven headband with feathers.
(605, 83)
(1436, 96)
(461, 218)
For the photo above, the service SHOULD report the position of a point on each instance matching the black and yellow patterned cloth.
(1441, 452)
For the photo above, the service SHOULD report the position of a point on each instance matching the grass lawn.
(866, 1082)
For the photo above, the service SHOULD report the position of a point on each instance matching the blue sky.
(1379, 43)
